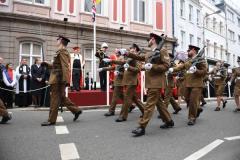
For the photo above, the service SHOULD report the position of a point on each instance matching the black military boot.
(109, 114)
(203, 103)
(166, 125)
(131, 108)
(76, 115)
(5, 119)
(120, 119)
(191, 122)
(224, 103)
(177, 110)
(217, 109)
(140, 131)
(199, 111)
(48, 123)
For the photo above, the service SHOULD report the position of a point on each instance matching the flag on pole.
(94, 10)
(98, 1)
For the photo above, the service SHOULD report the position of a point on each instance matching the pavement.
(216, 136)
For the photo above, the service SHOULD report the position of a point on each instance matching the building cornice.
(29, 18)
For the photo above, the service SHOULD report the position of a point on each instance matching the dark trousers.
(76, 79)
(103, 80)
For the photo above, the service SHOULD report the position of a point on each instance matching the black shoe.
(131, 109)
(203, 103)
(177, 110)
(217, 109)
(199, 111)
(224, 104)
(166, 125)
(159, 116)
(76, 115)
(191, 122)
(140, 131)
(120, 119)
(48, 123)
(5, 119)
(236, 110)
(141, 116)
(109, 114)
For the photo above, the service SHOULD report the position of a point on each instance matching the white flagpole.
(94, 51)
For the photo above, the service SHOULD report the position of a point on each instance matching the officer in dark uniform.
(76, 70)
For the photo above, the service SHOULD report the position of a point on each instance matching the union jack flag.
(94, 10)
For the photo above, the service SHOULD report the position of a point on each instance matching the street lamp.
(203, 32)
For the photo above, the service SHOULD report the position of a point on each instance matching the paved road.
(94, 137)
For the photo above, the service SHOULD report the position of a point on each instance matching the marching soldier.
(129, 82)
(155, 69)
(59, 79)
(193, 82)
(236, 77)
(168, 94)
(118, 87)
(219, 76)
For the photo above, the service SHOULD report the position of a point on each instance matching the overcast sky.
(236, 2)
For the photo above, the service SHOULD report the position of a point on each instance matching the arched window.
(30, 51)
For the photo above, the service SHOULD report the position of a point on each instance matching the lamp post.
(203, 42)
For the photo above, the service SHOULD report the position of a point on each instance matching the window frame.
(33, 2)
(30, 55)
(182, 10)
(133, 13)
(190, 15)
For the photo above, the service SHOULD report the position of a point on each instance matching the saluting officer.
(193, 82)
(59, 79)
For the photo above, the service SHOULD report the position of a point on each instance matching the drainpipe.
(173, 26)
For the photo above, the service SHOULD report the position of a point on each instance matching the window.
(182, 8)
(182, 39)
(88, 6)
(30, 51)
(198, 17)
(208, 47)
(139, 10)
(221, 27)
(228, 56)
(239, 39)
(190, 13)
(215, 50)
(207, 22)
(231, 35)
(234, 58)
(88, 67)
(221, 52)
(199, 42)
(238, 22)
(230, 16)
(214, 24)
(39, 2)
(191, 39)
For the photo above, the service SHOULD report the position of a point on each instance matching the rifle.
(158, 49)
(199, 57)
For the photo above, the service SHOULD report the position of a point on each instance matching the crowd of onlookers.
(24, 86)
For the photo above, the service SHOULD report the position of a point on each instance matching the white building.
(214, 33)
(233, 29)
(187, 23)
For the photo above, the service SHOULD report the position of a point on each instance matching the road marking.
(232, 138)
(60, 119)
(202, 152)
(68, 151)
(61, 130)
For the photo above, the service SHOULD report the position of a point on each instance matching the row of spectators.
(25, 85)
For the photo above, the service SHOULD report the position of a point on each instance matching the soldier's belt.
(217, 77)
